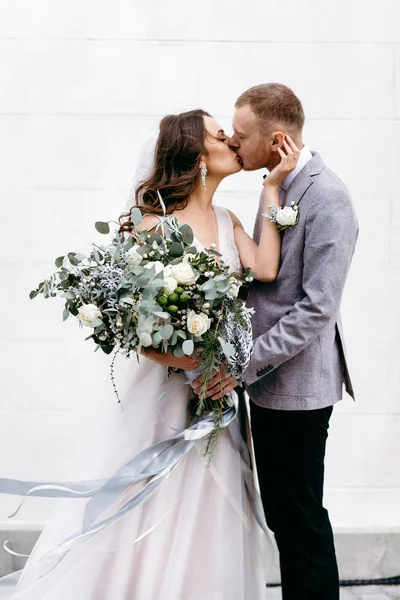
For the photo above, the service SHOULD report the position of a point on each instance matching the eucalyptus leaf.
(158, 283)
(136, 216)
(148, 293)
(107, 349)
(166, 331)
(211, 294)
(214, 252)
(142, 281)
(208, 285)
(129, 243)
(186, 233)
(72, 259)
(69, 295)
(182, 334)
(176, 249)
(145, 249)
(157, 338)
(160, 314)
(124, 285)
(59, 262)
(223, 289)
(175, 261)
(188, 347)
(178, 352)
(102, 227)
(156, 237)
(33, 294)
(65, 314)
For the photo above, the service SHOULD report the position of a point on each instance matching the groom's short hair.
(274, 104)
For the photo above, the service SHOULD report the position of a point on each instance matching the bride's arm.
(264, 258)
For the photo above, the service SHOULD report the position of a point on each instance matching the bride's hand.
(167, 359)
(289, 157)
(219, 385)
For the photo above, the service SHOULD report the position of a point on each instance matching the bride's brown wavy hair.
(180, 146)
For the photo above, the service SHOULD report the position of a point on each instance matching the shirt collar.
(304, 157)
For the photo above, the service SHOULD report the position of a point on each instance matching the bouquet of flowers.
(157, 290)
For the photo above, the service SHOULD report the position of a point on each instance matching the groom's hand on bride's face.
(219, 385)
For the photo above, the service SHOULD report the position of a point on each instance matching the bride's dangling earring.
(203, 171)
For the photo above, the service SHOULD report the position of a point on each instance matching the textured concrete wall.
(81, 86)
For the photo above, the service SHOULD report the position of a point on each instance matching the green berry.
(179, 291)
(184, 297)
(162, 300)
(172, 309)
(173, 298)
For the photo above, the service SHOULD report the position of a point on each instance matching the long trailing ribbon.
(153, 465)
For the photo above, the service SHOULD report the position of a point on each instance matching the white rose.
(171, 285)
(183, 273)
(157, 264)
(198, 323)
(133, 258)
(234, 290)
(286, 216)
(88, 313)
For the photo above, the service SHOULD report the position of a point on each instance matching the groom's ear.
(276, 140)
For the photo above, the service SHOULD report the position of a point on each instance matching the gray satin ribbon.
(153, 465)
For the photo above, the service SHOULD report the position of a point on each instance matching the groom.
(298, 366)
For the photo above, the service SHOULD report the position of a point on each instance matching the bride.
(201, 535)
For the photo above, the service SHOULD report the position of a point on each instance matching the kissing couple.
(201, 536)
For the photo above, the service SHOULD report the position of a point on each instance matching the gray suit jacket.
(298, 361)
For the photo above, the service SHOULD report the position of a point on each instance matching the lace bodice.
(227, 245)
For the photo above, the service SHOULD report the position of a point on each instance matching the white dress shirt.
(304, 156)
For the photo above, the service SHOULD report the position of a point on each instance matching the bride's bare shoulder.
(150, 222)
(235, 221)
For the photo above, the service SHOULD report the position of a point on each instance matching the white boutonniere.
(285, 217)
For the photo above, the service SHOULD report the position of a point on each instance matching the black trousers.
(290, 451)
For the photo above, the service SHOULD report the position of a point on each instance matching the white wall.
(81, 85)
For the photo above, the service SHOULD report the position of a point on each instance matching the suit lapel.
(298, 188)
(304, 180)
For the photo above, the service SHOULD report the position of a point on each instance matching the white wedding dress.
(196, 538)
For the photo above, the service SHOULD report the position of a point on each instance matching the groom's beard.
(257, 160)
(255, 167)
